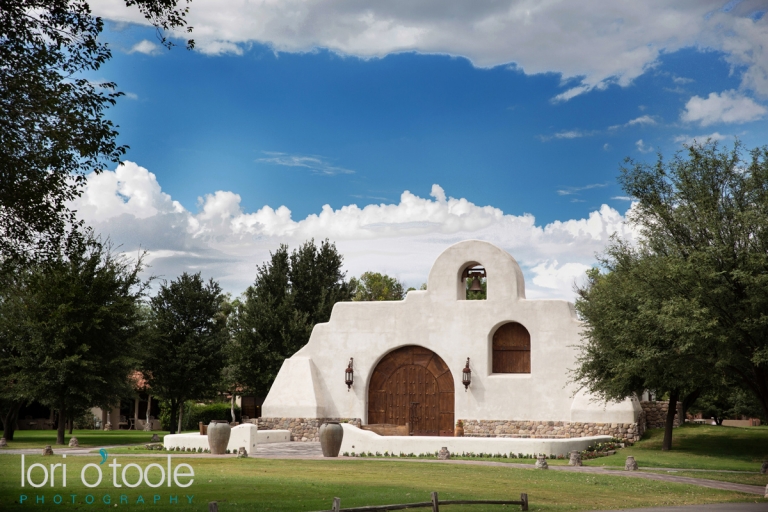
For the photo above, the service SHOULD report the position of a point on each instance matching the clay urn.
(218, 436)
(459, 430)
(331, 434)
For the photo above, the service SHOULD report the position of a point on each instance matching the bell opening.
(474, 278)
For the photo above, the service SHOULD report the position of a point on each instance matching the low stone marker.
(575, 459)
(48, 450)
(242, 453)
(541, 462)
(3, 442)
(108, 426)
(631, 464)
(155, 438)
(73, 442)
(444, 454)
(763, 468)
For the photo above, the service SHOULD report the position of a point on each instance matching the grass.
(265, 484)
(697, 447)
(86, 438)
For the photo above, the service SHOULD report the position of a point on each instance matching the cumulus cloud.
(591, 47)
(146, 47)
(726, 107)
(401, 238)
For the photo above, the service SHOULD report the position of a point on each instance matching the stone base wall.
(302, 429)
(656, 413)
(627, 432)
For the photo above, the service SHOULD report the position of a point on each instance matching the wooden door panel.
(413, 385)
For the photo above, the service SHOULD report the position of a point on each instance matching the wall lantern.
(349, 375)
(466, 376)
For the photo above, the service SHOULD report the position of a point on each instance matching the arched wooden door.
(412, 386)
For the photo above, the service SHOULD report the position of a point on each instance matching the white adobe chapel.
(408, 360)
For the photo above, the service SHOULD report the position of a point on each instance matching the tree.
(183, 354)
(75, 324)
(709, 210)
(374, 286)
(276, 315)
(53, 129)
(639, 333)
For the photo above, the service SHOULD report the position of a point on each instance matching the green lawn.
(698, 447)
(86, 438)
(261, 484)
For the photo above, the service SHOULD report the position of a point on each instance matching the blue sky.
(522, 118)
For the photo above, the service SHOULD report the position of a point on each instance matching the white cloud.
(146, 47)
(132, 96)
(567, 134)
(316, 164)
(642, 120)
(402, 239)
(642, 147)
(691, 139)
(567, 191)
(726, 107)
(591, 46)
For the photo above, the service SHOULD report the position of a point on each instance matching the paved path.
(310, 451)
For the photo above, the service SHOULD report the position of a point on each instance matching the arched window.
(511, 349)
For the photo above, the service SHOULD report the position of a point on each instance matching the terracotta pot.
(458, 431)
(218, 436)
(331, 434)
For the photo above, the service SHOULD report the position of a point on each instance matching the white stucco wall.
(311, 383)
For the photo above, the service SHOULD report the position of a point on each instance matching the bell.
(476, 286)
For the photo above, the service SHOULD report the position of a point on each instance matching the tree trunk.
(149, 406)
(9, 421)
(174, 407)
(71, 425)
(232, 406)
(673, 397)
(688, 401)
(60, 426)
(181, 415)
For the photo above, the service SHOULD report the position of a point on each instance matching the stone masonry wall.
(627, 432)
(302, 429)
(656, 413)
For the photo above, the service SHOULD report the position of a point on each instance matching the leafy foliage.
(68, 326)
(183, 353)
(53, 129)
(710, 211)
(291, 293)
(373, 286)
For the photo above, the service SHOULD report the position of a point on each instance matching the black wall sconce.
(466, 376)
(349, 375)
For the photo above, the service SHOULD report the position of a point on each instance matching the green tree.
(53, 129)
(76, 318)
(708, 208)
(639, 333)
(375, 286)
(183, 353)
(291, 293)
